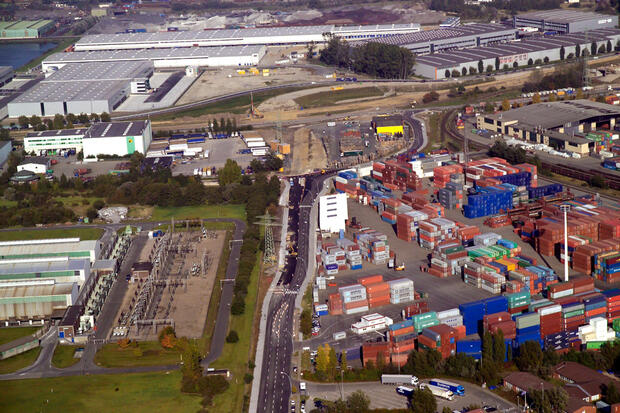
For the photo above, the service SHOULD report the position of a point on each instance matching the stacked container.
(595, 305)
(354, 299)
(442, 174)
(378, 294)
(352, 253)
(542, 191)
(433, 231)
(573, 316)
(472, 348)
(448, 258)
(422, 321)
(374, 247)
(528, 327)
(559, 290)
(401, 291)
(473, 314)
(441, 338)
(407, 225)
(486, 239)
(451, 196)
(452, 318)
(550, 319)
(613, 304)
(562, 341)
(400, 347)
(416, 308)
(518, 302)
(488, 201)
(374, 351)
(335, 304)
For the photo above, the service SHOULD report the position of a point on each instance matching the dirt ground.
(308, 152)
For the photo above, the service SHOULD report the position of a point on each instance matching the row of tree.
(61, 122)
(374, 59)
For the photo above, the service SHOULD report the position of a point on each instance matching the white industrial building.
(90, 87)
(72, 248)
(333, 212)
(58, 269)
(34, 164)
(117, 138)
(21, 300)
(54, 140)
(238, 37)
(237, 56)
(370, 323)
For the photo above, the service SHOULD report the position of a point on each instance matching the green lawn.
(82, 233)
(136, 393)
(63, 356)
(147, 353)
(332, 97)
(238, 105)
(8, 334)
(201, 211)
(235, 356)
(7, 203)
(12, 364)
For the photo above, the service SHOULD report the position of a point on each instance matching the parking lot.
(385, 396)
(219, 151)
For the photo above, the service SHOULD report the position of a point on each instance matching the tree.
(168, 337)
(91, 213)
(23, 121)
(536, 98)
(322, 361)
(497, 63)
(446, 409)
(579, 94)
(35, 121)
(232, 337)
(489, 107)
(530, 357)
(601, 49)
(105, 117)
(530, 62)
(505, 67)
(562, 52)
(423, 401)
(358, 402)
(430, 97)
(447, 73)
(499, 348)
(83, 118)
(546, 59)
(332, 360)
(552, 400)
(456, 73)
(577, 50)
(598, 181)
(191, 370)
(472, 70)
(480, 66)
(58, 122)
(609, 46)
(612, 396)
(310, 50)
(231, 173)
(553, 97)
(94, 117)
(305, 322)
(593, 48)
(515, 64)
(487, 346)
(505, 105)
(98, 204)
(464, 71)
(343, 361)
(489, 68)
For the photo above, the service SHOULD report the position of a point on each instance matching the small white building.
(333, 212)
(34, 164)
(117, 138)
(370, 323)
(54, 140)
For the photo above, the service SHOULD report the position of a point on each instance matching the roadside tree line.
(61, 122)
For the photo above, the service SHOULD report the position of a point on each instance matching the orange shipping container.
(371, 279)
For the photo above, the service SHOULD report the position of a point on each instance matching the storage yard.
(423, 265)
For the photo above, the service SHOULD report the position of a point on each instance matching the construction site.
(171, 284)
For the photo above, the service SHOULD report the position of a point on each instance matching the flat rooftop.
(562, 16)
(556, 114)
(58, 249)
(40, 290)
(427, 36)
(57, 132)
(456, 57)
(42, 266)
(153, 54)
(5, 70)
(233, 34)
(100, 71)
(24, 24)
(113, 129)
(71, 91)
(41, 160)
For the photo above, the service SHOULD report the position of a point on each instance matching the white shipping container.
(178, 147)
(356, 310)
(262, 152)
(256, 144)
(253, 140)
(550, 310)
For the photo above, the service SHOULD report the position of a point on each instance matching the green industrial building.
(23, 29)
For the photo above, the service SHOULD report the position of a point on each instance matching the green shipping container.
(594, 345)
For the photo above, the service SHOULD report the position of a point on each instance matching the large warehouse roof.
(456, 57)
(11, 251)
(153, 54)
(19, 294)
(442, 34)
(234, 34)
(556, 114)
(114, 129)
(101, 71)
(41, 266)
(57, 132)
(64, 92)
(561, 16)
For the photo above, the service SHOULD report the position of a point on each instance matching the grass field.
(78, 204)
(235, 356)
(82, 233)
(332, 97)
(18, 362)
(9, 334)
(147, 353)
(201, 211)
(238, 105)
(63, 356)
(136, 393)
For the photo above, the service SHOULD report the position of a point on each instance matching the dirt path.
(308, 152)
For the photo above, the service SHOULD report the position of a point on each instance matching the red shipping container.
(370, 279)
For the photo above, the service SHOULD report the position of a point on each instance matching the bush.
(232, 337)
(238, 305)
(247, 378)
(98, 204)
(430, 97)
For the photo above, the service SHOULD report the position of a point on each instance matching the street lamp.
(565, 208)
(290, 381)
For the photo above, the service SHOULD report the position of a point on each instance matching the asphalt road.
(43, 367)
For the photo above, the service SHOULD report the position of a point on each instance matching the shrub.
(232, 337)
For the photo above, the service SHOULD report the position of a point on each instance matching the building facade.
(565, 21)
(333, 212)
(117, 138)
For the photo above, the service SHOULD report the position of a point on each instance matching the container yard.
(447, 251)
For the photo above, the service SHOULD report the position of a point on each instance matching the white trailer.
(438, 391)
(399, 379)
(253, 140)
(256, 144)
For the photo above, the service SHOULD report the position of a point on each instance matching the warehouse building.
(565, 21)
(25, 29)
(117, 138)
(514, 54)
(34, 164)
(238, 37)
(237, 56)
(469, 35)
(54, 140)
(388, 124)
(558, 124)
(57, 269)
(6, 74)
(92, 87)
(333, 212)
(72, 248)
(28, 300)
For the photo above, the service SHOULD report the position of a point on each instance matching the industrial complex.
(563, 125)
(512, 54)
(565, 21)
(25, 28)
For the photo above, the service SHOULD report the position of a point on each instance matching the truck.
(448, 385)
(340, 335)
(399, 379)
(405, 391)
(438, 391)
